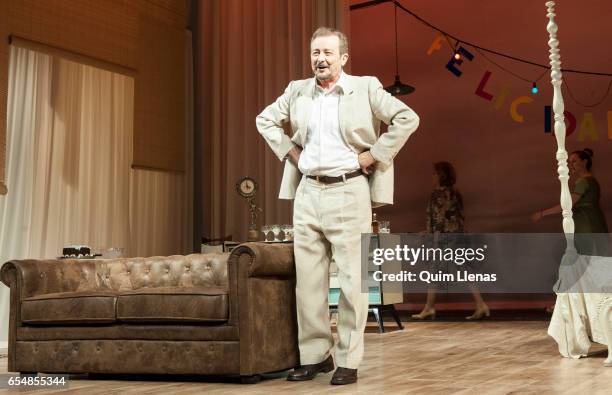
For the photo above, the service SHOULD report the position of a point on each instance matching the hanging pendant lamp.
(398, 88)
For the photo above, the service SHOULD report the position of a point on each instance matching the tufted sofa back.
(197, 270)
(123, 274)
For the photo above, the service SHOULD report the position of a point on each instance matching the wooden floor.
(487, 357)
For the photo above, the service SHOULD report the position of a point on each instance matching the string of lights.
(482, 50)
(423, 21)
(568, 90)
(509, 71)
(534, 85)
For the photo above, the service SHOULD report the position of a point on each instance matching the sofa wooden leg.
(253, 379)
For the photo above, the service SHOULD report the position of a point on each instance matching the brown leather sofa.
(209, 314)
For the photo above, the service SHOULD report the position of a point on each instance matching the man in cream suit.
(337, 166)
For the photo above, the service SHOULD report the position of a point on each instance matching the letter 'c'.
(514, 106)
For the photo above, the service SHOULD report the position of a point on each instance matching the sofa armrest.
(10, 277)
(267, 259)
(37, 277)
(27, 278)
(262, 305)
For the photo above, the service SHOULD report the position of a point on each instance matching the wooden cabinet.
(382, 295)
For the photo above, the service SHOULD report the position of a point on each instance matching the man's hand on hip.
(366, 162)
(294, 155)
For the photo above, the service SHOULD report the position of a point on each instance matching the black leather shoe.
(309, 372)
(344, 376)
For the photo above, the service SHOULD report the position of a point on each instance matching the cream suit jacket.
(363, 104)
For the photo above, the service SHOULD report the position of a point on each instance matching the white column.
(558, 108)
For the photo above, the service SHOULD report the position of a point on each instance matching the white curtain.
(69, 155)
(69, 147)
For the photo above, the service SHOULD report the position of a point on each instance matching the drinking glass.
(288, 231)
(266, 230)
(384, 227)
(276, 231)
(113, 253)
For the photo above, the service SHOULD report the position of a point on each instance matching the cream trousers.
(328, 221)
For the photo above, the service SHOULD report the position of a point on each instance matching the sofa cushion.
(86, 307)
(173, 304)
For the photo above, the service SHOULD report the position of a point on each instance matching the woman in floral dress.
(445, 215)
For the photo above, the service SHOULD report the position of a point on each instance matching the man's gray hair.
(328, 31)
